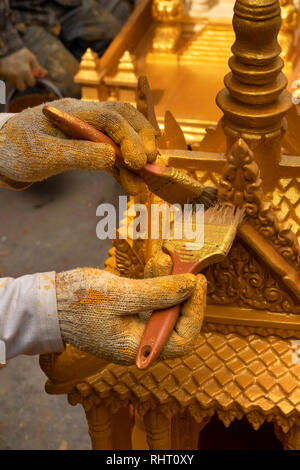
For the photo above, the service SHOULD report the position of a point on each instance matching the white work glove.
(17, 69)
(32, 148)
(106, 315)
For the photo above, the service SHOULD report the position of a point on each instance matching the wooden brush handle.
(161, 323)
(75, 128)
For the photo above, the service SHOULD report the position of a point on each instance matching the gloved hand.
(160, 264)
(106, 315)
(32, 149)
(17, 69)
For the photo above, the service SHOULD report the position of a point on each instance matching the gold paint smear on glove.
(94, 297)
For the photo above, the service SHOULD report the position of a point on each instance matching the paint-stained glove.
(32, 149)
(17, 69)
(105, 315)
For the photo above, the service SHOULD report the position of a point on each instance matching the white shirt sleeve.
(5, 117)
(28, 310)
(28, 315)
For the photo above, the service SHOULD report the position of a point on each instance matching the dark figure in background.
(42, 36)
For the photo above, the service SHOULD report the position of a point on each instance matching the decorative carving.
(286, 202)
(250, 330)
(234, 370)
(291, 440)
(158, 429)
(100, 427)
(241, 185)
(289, 25)
(230, 375)
(127, 260)
(242, 280)
(185, 432)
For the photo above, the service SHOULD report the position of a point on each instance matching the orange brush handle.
(161, 323)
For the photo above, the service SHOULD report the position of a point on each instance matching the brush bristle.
(224, 215)
(220, 224)
(208, 198)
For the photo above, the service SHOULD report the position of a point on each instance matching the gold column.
(255, 99)
(158, 430)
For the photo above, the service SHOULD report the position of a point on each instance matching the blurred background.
(50, 226)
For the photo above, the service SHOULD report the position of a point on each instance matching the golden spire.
(87, 72)
(122, 85)
(255, 101)
(126, 69)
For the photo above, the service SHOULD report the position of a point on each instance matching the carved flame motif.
(127, 260)
(242, 280)
(241, 186)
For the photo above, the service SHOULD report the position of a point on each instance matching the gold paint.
(122, 85)
(87, 76)
(286, 37)
(169, 15)
(211, 45)
(242, 361)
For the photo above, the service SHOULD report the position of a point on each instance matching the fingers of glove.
(148, 140)
(159, 265)
(23, 78)
(29, 78)
(116, 127)
(123, 296)
(140, 125)
(144, 316)
(132, 149)
(34, 64)
(117, 340)
(105, 116)
(130, 114)
(19, 83)
(189, 323)
(129, 181)
(79, 154)
(54, 155)
(192, 311)
(137, 296)
(121, 340)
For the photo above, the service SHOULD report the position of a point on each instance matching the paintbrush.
(220, 228)
(170, 184)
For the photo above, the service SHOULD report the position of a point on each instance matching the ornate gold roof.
(227, 374)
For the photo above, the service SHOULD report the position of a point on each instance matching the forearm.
(28, 315)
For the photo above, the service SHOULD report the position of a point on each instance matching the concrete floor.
(51, 226)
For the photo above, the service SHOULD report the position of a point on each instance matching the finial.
(88, 68)
(126, 72)
(255, 99)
